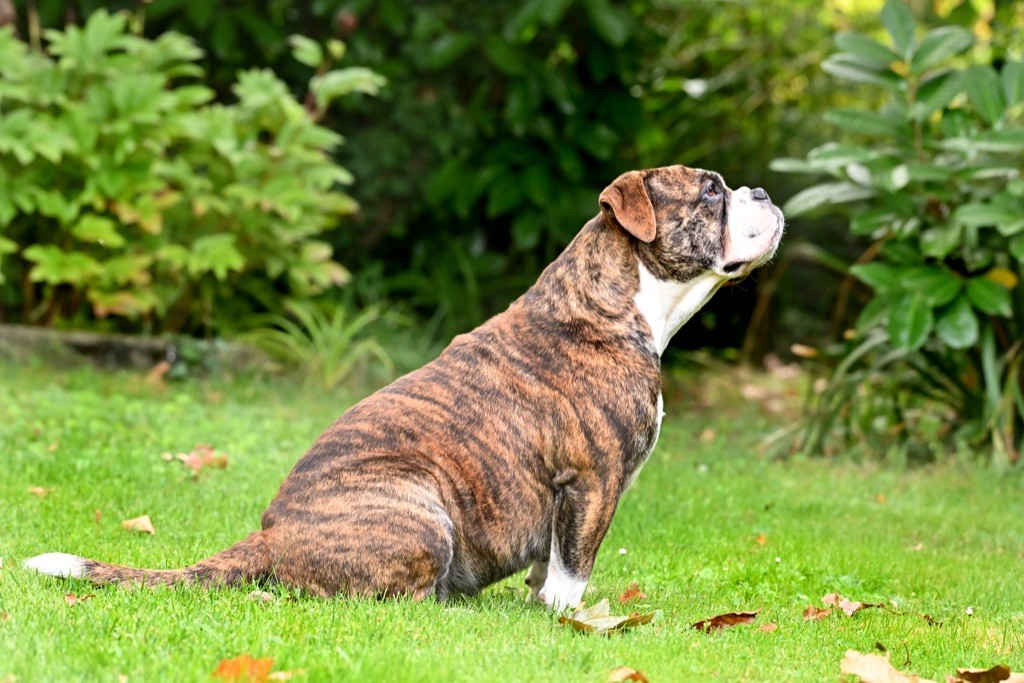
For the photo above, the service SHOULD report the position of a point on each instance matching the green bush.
(932, 179)
(128, 190)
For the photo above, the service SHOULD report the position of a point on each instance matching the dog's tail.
(247, 560)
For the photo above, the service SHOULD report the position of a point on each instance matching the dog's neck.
(600, 271)
(666, 305)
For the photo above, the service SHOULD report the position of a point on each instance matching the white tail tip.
(58, 564)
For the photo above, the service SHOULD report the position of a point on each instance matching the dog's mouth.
(734, 267)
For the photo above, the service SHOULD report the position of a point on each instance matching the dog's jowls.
(514, 446)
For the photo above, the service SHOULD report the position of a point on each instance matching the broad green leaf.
(7, 246)
(1017, 248)
(306, 50)
(869, 51)
(448, 48)
(989, 297)
(93, 228)
(340, 82)
(826, 194)
(865, 122)
(833, 155)
(1012, 75)
(935, 92)
(985, 92)
(938, 45)
(56, 267)
(874, 314)
(910, 321)
(127, 269)
(989, 215)
(957, 325)
(610, 22)
(216, 254)
(1009, 140)
(936, 284)
(851, 69)
(899, 22)
(871, 221)
(882, 277)
(791, 165)
(940, 241)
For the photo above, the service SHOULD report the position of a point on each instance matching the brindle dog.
(514, 446)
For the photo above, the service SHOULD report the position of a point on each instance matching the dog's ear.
(627, 203)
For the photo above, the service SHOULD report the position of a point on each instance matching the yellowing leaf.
(1003, 276)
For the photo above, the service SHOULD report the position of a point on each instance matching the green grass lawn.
(943, 541)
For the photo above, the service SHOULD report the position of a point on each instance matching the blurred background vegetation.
(352, 182)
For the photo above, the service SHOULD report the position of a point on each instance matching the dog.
(514, 446)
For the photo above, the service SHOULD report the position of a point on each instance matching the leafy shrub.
(128, 190)
(933, 179)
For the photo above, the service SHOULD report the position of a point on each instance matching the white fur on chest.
(666, 304)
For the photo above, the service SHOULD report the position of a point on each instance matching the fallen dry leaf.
(875, 669)
(39, 491)
(598, 619)
(849, 607)
(141, 524)
(996, 674)
(201, 457)
(53, 446)
(4, 616)
(707, 436)
(813, 613)
(770, 627)
(71, 599)
(98, 514)
(624, 673)
(727, 620)
(881, 499)
(633, 592)
(244, 668)
(761, 539)
(285, 675)
(918, 546)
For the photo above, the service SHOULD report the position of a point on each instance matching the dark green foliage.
(129, 195)
(932, 179)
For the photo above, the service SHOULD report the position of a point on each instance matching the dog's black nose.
(759, 194)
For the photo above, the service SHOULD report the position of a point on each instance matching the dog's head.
(688, 222)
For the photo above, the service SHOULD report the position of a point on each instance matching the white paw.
(561, 591)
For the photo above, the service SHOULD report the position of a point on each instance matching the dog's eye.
(710, 192)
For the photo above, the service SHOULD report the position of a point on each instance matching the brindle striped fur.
(458, 474)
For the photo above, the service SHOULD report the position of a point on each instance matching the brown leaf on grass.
(4, 616)
(71, 599)
(624, 673)
(201, 457)
(727, 620)
(707, 436)
(598, 619)
(285, 675)
(244, 668)
(39, 491)
(875, 669)
(813, 613)
(849, 607)
(140, 524)
(98, 514)
(995, 674)
(633, 592)
(761, 539)
(770, 627)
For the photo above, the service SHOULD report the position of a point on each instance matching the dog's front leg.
(583, 513)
